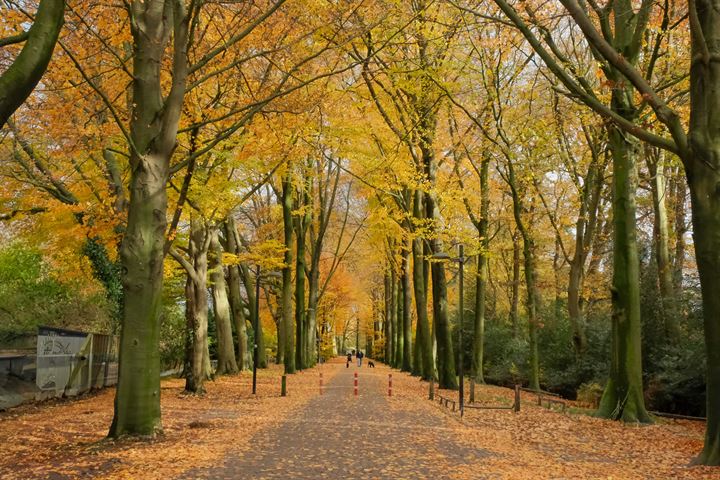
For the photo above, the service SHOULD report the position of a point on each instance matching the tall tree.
(623, 397)
(197, 355)
(221, 308)
(696, 146)
(237, 303)
(153, 128)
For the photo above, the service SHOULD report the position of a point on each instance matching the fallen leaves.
(541, 443)
(67, 439)
(403, 436)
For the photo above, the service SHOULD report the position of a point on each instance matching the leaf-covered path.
(338, 435)
(230, 433)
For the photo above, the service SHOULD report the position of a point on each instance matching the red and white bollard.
(321, 384)
(389, 384)
(356, 384)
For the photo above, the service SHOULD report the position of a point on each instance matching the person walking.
(359, 357)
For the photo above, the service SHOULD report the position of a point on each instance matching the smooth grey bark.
(197, 354)
(655, 160)
(679, 197)
(399, 319)
(249, 283)
(25, 72)
(221, 307)
(154, 124)
(406, 364)
(234, 282)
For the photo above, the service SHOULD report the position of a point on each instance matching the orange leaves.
(68, 437)
(540, 443)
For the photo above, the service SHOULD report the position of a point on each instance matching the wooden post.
(432, 389)
(516, 407)
(283, 386)
(472, 390)
(356, 384)
(321, 383)
(389, 384)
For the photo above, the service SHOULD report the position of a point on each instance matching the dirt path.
(338, 435)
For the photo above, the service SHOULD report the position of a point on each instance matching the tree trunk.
(240, 320)
(300, 312)
(702, 164)
(481, 276)
(259, 339)
(585, 233)
(313, 297)
(154, 122)
(423, 337)
(557, 271)
(399, 325)
(406, 365)
(532, 309)
(515, 287)
(530, 276)
(392, 319)
(288, 330)
(680, 228)
(137, 402)
(236, 300)
(575, 313)
(445, 359)
(705, 198)
(221, 306)
(623, 396)
(661, 240)
(197, 361)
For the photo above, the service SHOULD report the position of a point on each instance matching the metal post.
(321, 383)
(256, 322)
(356, 384)
(389, 384)
(90, 364)
(461, 307)
(357, 335)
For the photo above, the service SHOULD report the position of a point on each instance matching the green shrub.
(30, 295)
(589, 394)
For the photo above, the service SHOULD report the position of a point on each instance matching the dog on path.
(371, 364)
